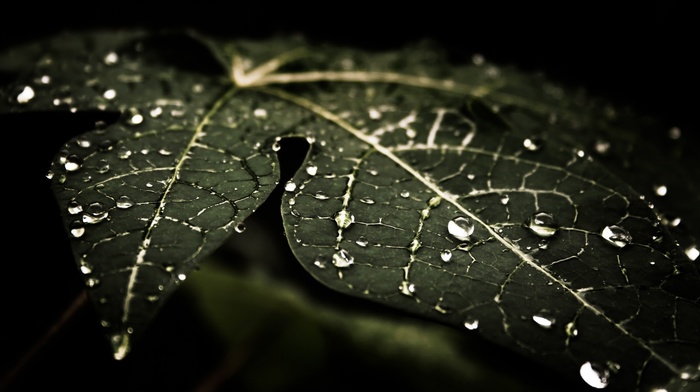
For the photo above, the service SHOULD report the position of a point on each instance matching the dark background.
(633, 54)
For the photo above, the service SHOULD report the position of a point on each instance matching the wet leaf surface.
(475, 195)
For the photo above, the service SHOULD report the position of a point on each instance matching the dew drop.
(135, 117)
(362, 241)
(461, 228)
(446, 255)
(124, 153)
(181, 277)
(105, 145)
(470, 176)
(342, 259)
(533, 143)
(544, 319)
(240, 227)
(690, 372)
(260, 113)
(602, 147)
(290, 186)
(76, 228)
(276, 146)
(109, 94)
(165, 152)
(156, 112)
(344, 219)
(660, 190)
(73, 163)
(571, 329)
(616, 236)
(26, 95)
(674, 133)
(405, 194)
(311, 170)
(367, 200)
(692, 252)
(543, 224)
(595, 375)
(407, 288)
(471, 323)
(50, 174)
(111, 58)
(102, 166)
(74, 207)
(85, 269)
(321, 196)
(320, 261)
(87, 178)
(92, 282)
(505, 199)
(124, 202)
(83, 142)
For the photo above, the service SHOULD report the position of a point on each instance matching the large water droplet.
(595, 375)
(616, 235)
(471, 323)
(446, 255)
(26, 95)
(73, 163)
(461, 228)
(543, 224)
(124, 202)
(342, 259)
(544, 319)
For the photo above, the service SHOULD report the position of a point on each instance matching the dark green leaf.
(468, 195)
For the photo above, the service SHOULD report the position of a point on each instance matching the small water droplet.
(73, 163)
(74, 207)
(544, 319)
(595, 375)
(342, 259)
(533, 143)
(367, 200)
(102, 166)
(156, 112)
(290, 186)
(109, 94)
(260, 113)
(124, 153)
(26, 95)
(692, 252)
(165, 152)
(580, 153)
(362, 241)
(616, 235)
(276, 146)
(111, 58)
(181, 277)
(95, 213)
(50, 174)
(76, 228)
(461, 228)
(470, 176)
(543, 224)
(407, 288)
(344, 219)
(471, 323)
(87, 178)
(321, 196)
(83, 142)
(670, 220)
(374, 114)
(134, 117)
(240, 227)
(660, 190)
(320, 261)
(124, 202)
(446, 255)
(602, 147)
(311, 170)
(405, 194)
(505, 199)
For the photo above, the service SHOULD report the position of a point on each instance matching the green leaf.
(464, 194)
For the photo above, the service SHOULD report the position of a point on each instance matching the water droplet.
(580, 153)
(260, 113)
(240, 227)
(85, 269)
(470, 176)
(95, 213)
(544, 319)
(344, 219)
(124, 153)
(26, 95)
(690, 372)
(616, 235)
(692, 252)
(87, 178)
(321, 196)
(311, 170)
(49, 174)
(105, 145)
(83, 142)
(660, 190)
(102, 166)
(320, 261)
(76, 228)
(405, 194)
(181, 277)
(109, 94)
(124, 202)
(674, 133)
(152, 298)
(595, 375)
(156, 112)
(290, 186)
(362, 241)
(533, 143)
(461, 228)
(92, 282)
(602, 147)
(165, 152)
(111, 58)
(471, 323)
(505, 199)
(276, 146)
(374, 114)
(542, 224)
(342, 259)
(571, 329)
(407, 288)
(367, 200)
(74, 207)
(446, 255)
(73, 163)
(134, 117)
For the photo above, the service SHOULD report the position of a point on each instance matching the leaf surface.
(462, 194)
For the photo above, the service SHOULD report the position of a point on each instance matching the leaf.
(463, 194)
